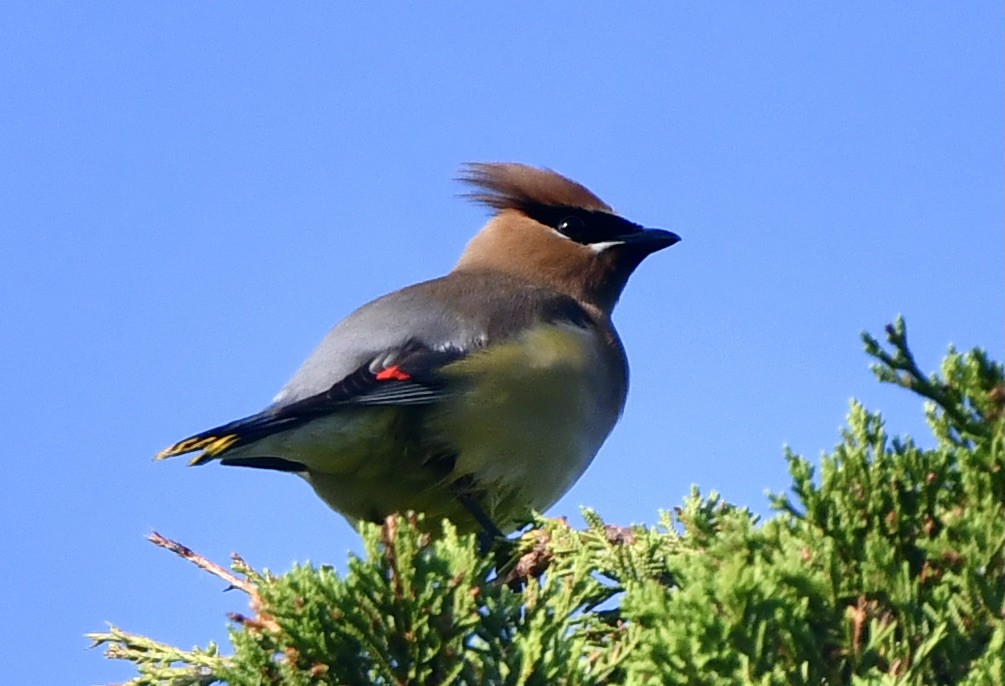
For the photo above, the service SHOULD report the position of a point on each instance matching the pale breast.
(536, 414)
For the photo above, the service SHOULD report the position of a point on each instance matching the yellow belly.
(536, 415)
(523, 420)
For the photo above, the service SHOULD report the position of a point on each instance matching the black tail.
(218, 441)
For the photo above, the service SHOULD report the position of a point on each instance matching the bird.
(478, 396)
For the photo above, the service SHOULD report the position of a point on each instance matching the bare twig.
(201, 562)
(262, 618)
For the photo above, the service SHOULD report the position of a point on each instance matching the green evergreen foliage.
(888, 568)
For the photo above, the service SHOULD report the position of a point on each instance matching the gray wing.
(389, 352)
(457, 313)
(374, 334)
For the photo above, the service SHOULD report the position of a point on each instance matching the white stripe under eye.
(601, 247)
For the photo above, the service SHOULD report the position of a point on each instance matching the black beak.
(648, 241)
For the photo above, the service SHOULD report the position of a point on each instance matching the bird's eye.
(571, 227)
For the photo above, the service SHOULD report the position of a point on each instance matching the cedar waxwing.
(477, 396)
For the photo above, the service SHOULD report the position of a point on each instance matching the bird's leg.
(489, 533)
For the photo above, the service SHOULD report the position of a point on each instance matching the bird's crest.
(511, 186)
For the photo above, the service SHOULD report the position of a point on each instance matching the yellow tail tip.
(166, 453)
(210, 446)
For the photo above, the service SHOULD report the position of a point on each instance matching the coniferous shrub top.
(884, 566)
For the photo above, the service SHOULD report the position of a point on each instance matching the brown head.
(553, 231)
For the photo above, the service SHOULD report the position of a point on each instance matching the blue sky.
(192, 194)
